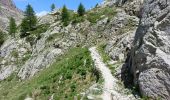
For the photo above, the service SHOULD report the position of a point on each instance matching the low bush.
(2, 38)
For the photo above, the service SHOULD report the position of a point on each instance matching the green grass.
(106, 58)
(40, 29)
(92, 16)
(77, 19)
(54, 36)
(96, 14)
(70, 75)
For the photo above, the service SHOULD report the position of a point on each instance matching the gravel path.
(109, 91)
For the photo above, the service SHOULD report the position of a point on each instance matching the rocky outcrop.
(150, 55)
(7, 10)
(121, 43)
(12, 53)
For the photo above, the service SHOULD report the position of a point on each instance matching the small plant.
(2, 38)
(96, 15)
(73, 87)
(77, 19)
(15, 53)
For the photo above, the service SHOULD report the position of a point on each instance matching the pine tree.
(12, 27)
(52, 7)
(65, 16)
(81, 10)
(29, 22)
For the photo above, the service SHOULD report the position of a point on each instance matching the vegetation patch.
(2, 38)
(70, 75)
(40, 29)
(54, 36)
(96, 14)
(106, 58)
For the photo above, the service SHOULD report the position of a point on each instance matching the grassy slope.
(68, 76)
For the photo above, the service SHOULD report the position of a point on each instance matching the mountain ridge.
(8, 9)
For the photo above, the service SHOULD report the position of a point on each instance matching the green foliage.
(52, 7)
(40, 29)
(101, 49)
(36, 33)
(24, 28)
(54, 36)
(15, 53)
(29, 22)
(106, 58)
(81, 10)
(96, 14)
(59, 79)
(2, 38)
(77, 19)
(12, 27)
(65, 16)
(26, 57)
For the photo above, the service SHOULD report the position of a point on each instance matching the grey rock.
(150, 55)
(6, 71)
(8, 9)
(38, 63)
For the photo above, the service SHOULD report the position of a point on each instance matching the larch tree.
(29, 22)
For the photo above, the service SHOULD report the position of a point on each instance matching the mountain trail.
(110, 83)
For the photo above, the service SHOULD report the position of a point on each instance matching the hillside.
(114, 51)
(7, 10)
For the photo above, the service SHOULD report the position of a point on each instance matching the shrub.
(95, 15)
(2, 38)
(73, 87)
(77, 19)
(68, 74)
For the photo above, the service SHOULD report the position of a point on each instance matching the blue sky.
(42, 6)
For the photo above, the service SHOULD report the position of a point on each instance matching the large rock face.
(150, 56)
(7, 10)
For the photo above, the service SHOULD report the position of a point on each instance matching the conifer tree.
(29, 22)
(65, 16)
(81, 10)
(12, 27)
(52, 7)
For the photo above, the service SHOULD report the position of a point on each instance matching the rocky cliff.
(7, 10)
(150, 55)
